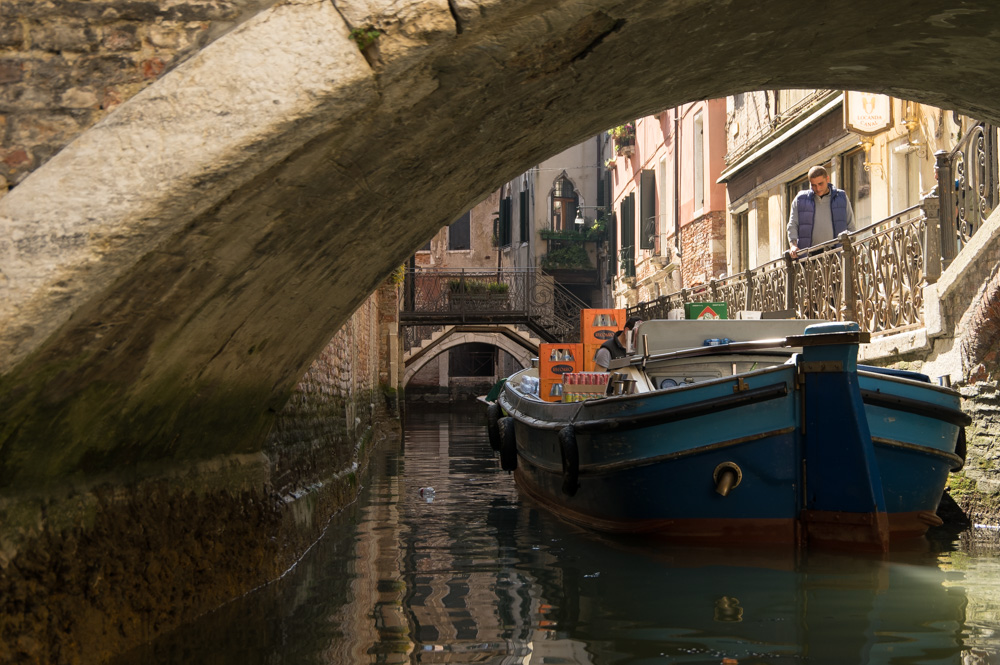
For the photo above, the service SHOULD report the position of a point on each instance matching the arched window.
(564, 202)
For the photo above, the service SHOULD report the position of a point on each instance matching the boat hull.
(651, 463)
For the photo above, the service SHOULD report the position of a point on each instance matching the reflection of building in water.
(978, 579)
(375, 626)
(436, 581)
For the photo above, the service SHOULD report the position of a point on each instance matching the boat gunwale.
(916, 407)
(951, 392)
(659, 416)
(633, 396)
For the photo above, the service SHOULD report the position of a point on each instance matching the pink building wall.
(702, 231)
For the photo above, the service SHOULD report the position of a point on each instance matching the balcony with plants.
(570, 254)
(624, 137)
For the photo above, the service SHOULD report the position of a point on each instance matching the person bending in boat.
(615, 347)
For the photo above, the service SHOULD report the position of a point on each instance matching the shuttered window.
(647, 209)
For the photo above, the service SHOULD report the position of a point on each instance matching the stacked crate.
(596, 327)
(554, 360)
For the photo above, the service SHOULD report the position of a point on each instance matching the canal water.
(441, 561)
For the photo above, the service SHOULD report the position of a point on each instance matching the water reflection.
(476, 575)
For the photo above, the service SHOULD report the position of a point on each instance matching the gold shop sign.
(867, 113)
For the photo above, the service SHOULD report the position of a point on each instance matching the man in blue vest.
(819, 214)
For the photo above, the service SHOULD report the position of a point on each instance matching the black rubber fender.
(493, 413)
(508, 444)
(960, 448)
(570, 455)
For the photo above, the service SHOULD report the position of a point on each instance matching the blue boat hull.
(833, 456)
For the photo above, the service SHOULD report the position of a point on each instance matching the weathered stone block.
(23, 97)
(106, 68)
(71, 35)
(48, 72)
(79, 98)
(122, 38)
(29, 129)
(11, 70)
(11, 34)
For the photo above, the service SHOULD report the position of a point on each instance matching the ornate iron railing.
(874, 276)
(435, 297)
(967, 186)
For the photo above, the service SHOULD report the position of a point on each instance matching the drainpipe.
(677, 180)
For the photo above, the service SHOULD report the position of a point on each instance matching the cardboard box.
(554, 360)
(599, 325)
(705, 310)
(579, 386)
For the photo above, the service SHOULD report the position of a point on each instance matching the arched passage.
(522, 349)
(170, 274)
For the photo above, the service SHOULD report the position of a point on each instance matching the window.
(627, 234)
(504, 222)
(523, 214)
(791, 189)
(741, 241)
(904, 178)
(699, 162)
(663, 224)
(647, 205)
(564, 201)
(857, 184)
(458, 234)
(761, 215)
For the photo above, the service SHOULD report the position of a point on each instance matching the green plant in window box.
(477, 286)
(570, 257)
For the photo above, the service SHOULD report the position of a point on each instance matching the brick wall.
(65, 64)
(703, 251)
(345, 394)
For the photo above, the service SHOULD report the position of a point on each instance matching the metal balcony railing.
(526, 296)
(874, 276)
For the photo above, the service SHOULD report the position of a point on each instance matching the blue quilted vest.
(806, 203)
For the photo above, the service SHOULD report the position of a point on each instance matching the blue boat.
(739, 431)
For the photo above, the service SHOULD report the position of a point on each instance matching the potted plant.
(624, 136)
(478, 294)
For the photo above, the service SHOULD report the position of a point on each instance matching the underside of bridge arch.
(501, 337)
(170, 274)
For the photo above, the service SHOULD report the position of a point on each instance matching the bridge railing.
(874, 276)
(507, 295)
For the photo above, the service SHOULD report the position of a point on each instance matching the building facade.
(774, 137)
(549, 219)
(669, 207)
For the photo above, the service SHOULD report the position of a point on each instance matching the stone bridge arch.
(517, 345)
(171, 273)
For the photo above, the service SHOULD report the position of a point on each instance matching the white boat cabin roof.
(662, 335)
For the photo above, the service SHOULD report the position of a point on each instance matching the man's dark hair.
(632, 321)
